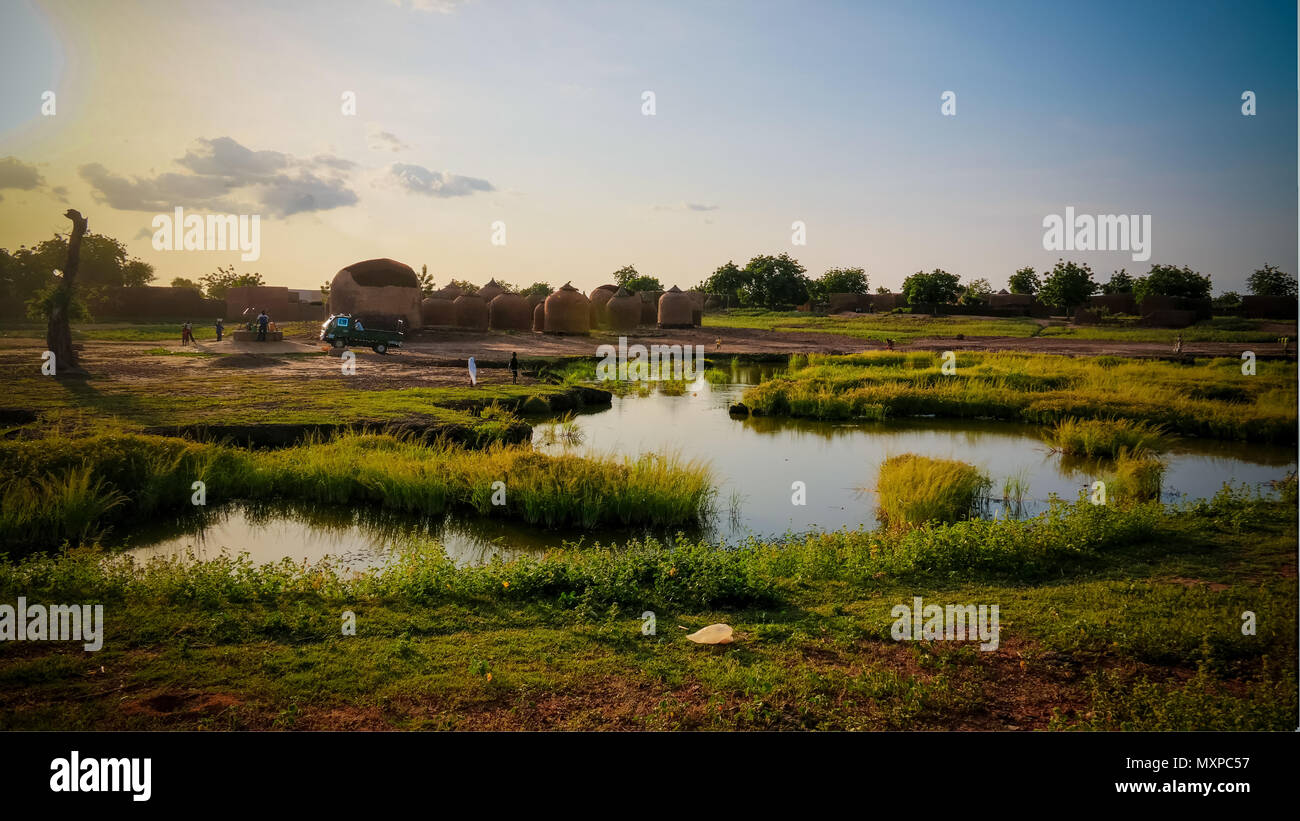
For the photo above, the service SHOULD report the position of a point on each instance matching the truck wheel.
(337, 343)
(381, 348)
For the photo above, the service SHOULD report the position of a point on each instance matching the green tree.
(216, 284)
(1024, 281)
(537, 289)
(427, 285)
(883, 290)
(976, 292)
(774, 282)
(182, 282)
(1171, 280)
(1069, 284)
(729, 279)
(1229, 300)
(1271, 281)
(465, 286)
(1120, 283)
(839, 281)
(938, 286)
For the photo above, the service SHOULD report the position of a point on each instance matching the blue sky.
(766, 113)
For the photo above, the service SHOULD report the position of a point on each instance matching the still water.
(755, 462)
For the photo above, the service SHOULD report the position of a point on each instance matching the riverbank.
(1110, 619)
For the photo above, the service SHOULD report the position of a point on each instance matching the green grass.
(1103, 438)
(907, 327)
(874, 327)
(1112, 618)
(1135, 476)
(1203, 397)
(144, 331)
(916, 489)
(49, 495)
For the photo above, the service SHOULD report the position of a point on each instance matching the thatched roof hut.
(539, 316)
(490, 291)
(381, 291)
(449, 292)
(471, 312)
(509, 312)
(436, 312)
(675, 309)
(623, 311)
(568, 311)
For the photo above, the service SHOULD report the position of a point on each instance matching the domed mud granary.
(623, 311)
(509, 312)
(471, 312)
(539, 316)
(675, 309)
(449, 292)
(599, 300)
(490, 291)
(535, 299)
(437, 312)
(568, 311)
(380, 291)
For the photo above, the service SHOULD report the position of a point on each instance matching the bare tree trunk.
(58, 336)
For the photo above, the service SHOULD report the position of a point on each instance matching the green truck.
(344, 330)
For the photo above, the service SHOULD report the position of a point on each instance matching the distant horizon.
(530, 122)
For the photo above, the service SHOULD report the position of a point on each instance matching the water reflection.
(755, 461)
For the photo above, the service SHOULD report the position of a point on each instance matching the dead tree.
(58, 336)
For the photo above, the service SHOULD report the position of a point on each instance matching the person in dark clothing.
(514, 367)
(262, 320)
(221, 329)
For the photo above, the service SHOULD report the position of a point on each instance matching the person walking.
(1178, 346)
(221, 329)
(187, 333)
(262, 321)
(514, 367)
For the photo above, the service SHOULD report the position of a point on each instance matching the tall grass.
(1135, 476)
(1104, 438)
(52, 497)
(1208, 398)
(916, 489)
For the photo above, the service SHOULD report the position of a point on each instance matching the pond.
(755, 462)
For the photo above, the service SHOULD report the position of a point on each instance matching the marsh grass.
(914, 489)
(1208, 397)
(1135, 476)
(52, 498)
(1104, 438)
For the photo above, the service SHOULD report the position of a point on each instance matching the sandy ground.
(497, 346)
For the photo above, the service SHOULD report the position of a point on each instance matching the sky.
(533, 114)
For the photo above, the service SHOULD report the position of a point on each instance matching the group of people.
(260, 324)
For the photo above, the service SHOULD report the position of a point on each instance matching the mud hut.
(650, 306)
(437, 312)
(599, 300)
(697, 307)
(675, 309)
(380, 291)
(471, 312)
(568, 312)
(449, 292)
(509, 312)
(623, 311)
(539, 317)
(490, 291)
